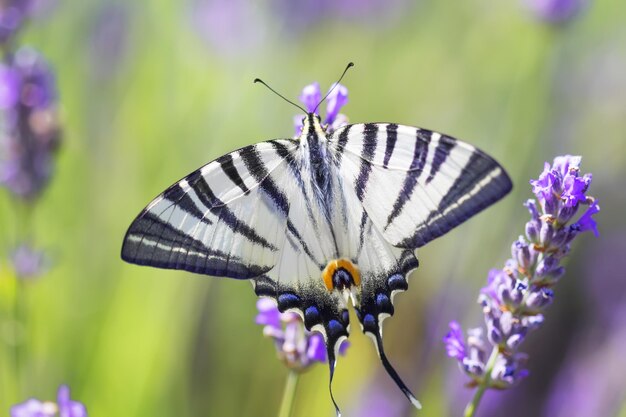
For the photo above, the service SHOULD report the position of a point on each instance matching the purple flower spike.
(30, 132)
(515, 297)
(28, 262)
(34, 408)
(337, 98)
(12, 16)
(311, 96)
(556, 11)
(67, 406)
(297, 347)
(455, 342)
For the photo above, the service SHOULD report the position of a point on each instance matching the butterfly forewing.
(218, 220)
(416, 184)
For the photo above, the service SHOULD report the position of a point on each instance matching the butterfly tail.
(393, 374)
(332, 361)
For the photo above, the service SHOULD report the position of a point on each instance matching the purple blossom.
(560, 188)
(229, 27)
(67, 406)
(337, 98)
(296, 347)
(27, 261)
(10, 81)
(587, 222)
(455, 341)
(12, 16)
(515, 297)
(30, 131)
(311, 96)
(34, 408)
(574, 188)
(556, 11)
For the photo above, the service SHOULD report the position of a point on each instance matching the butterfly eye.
(319, 119)
(302, 121)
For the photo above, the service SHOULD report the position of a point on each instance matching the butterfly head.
(312, 124)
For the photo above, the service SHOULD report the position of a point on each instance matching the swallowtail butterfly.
(321, 221)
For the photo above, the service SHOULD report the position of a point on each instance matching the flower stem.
(286, 404)
(470, 409)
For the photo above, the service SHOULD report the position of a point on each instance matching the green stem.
(472, 406)
(286, 404)
(18, 327)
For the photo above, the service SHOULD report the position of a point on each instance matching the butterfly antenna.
(350, 64)
(394, 375)
(258, 80)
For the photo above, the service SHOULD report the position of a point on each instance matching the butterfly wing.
(412, 186)
(416, 184)
(224, 219)
(249, 214)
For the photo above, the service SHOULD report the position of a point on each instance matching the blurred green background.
(149, 91)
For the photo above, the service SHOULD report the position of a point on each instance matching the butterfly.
(322, 221)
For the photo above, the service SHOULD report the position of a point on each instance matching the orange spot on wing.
(333, 266)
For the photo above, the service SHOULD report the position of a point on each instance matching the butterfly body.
(320, 222)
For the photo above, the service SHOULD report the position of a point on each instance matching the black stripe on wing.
(257, 168)
(370, 135)
(217, 206)
(413, 174)
(481, 183)
(392, 137)
(151, 241)
(442, 151)
(226, 162)
(179, 228)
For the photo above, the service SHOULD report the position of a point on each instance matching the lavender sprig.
(29, 126)
(311, 96)
(516, 296)
(65, 406)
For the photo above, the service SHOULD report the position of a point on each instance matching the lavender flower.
(29, 129)
(12, 16)
(65, 407)
(555, 11)
(311, 96)
(27, 261)
(34, 408)
(296, 347)
(229, 27)
(515, 296)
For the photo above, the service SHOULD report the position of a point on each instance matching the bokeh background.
(149, 91)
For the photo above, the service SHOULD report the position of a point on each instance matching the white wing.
(226, 219)
(415, 184)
